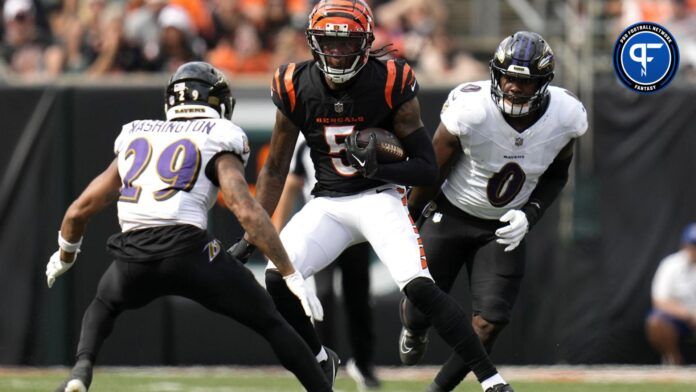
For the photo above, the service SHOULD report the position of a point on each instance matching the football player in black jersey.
(164, 248)
(357, 199)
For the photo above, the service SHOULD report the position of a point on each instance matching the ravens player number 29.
(166, 176)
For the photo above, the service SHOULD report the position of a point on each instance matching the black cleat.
(411, 347)
(364, 376)
(330, 365)
(80, 378)
(500, 388)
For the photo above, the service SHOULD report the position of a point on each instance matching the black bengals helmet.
(522, 55)
(198, 90)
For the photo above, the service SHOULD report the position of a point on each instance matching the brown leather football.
(389, 147)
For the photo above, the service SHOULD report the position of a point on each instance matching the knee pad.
(419, 287)
(423, 293)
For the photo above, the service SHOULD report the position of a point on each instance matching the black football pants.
(451, 241)
(224, 286)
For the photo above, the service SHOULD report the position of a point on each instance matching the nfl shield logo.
(338, 107)
(518, 141)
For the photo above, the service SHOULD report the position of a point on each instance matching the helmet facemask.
(524, 56)
(340, 56)
(518, 105)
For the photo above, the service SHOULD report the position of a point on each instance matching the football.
(389, 148)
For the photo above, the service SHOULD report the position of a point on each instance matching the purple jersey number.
(182, 178)
(177, 166)
(142, 151)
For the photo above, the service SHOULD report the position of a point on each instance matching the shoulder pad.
(571, 112)
(465, 107)
(227, 136)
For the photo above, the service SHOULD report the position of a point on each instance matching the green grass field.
(258, 380)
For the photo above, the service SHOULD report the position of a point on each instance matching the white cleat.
(75, 385)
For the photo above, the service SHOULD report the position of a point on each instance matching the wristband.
(68, 247)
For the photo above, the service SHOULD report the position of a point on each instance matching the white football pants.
(326, 226)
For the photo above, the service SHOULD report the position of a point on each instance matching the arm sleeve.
(550, 185)
(419, 169)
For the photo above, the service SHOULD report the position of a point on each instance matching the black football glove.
(242, 250)
(363, 159)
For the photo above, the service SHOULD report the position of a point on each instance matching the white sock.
(491, 381)
(322, 356)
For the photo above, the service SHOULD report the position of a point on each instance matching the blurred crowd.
(43, 39)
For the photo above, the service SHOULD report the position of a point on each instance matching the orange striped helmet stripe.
(289, 87)
(391, 77)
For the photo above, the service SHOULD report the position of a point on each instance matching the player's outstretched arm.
(269, 185)
(420, 168)
(101, 192)
(251, 215)
(447, 151)
(260, 230)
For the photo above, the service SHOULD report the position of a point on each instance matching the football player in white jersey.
(165, 177)
(502, 162)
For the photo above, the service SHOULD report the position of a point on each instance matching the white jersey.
(675, 280)
(501, 167)
(162, 167)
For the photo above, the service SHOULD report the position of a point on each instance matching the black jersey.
(327, 117)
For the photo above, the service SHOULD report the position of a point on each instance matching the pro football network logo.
(646, 57)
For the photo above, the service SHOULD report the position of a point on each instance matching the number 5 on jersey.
(332, 135)
(178, 167)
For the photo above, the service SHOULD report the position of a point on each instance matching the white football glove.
(310, 302)
(56, 267)
(512, 234)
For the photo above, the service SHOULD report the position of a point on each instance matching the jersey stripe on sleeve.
(283, 88)
(391, 78)
(289, 87)
(406, 75)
